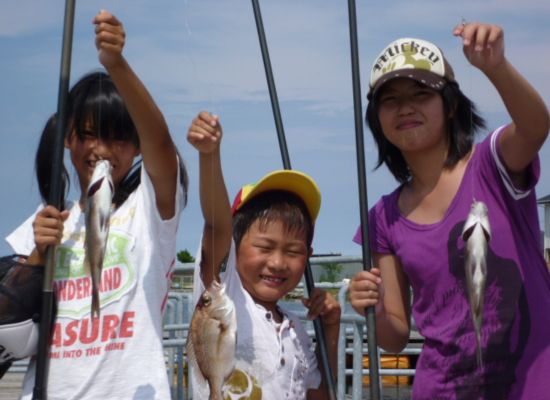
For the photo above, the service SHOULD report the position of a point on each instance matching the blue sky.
(204, 55)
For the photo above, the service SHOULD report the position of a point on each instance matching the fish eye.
(206, 300)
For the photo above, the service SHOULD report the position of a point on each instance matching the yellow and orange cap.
(302, 185)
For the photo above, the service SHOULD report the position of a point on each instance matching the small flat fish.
(213, 338)
(477, 234)
(99, 198)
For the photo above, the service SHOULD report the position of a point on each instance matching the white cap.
(411, 58)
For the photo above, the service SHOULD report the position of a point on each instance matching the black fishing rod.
(55, 198)
(363, 201)
(308, 276)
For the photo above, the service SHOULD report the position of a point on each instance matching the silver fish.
(213, 338)
(477, 234)
(99, 198)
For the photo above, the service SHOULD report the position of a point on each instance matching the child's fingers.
(111, 48)
(65, 215)
(110, 38)
(105, 16)
(203, 130)
(361, 295)
(110, 34)
(194, 137)
(109, 28)
(49, 212)
(48, 228)
(316, 304)
(480, 40)
(45, 238)
(363, 299)
(206, 125)
(479, 36)
(209, 119)
(364, 290)
(459, 29)
(315, 310)
(495, 34)
(469, 33)
(366, 280)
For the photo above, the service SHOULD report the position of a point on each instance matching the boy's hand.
(322, 303)
(109, 38)
(365, 290)
(48, 228)
(205, 132)
(483, 44)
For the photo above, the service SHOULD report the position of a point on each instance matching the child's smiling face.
(412, 116)
(87, 150)
(271, 261)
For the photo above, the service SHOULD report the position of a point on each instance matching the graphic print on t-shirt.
(505, 327)
(73, 285)
(76, 334)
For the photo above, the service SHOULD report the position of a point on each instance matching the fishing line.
(213, 210)
(196, 78)
(469, 65)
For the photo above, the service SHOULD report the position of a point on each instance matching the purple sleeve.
(379, 235)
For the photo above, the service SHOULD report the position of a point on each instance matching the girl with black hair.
(424, 127)
(111, 116)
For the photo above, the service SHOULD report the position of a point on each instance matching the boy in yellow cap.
(259, 249)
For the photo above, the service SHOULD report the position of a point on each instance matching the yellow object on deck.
(391, 362)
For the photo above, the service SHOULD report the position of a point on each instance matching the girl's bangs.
(103, 113)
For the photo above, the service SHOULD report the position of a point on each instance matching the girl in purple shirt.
(424, 127)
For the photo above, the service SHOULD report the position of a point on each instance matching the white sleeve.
(515, 192)
(228, 275)
(312, 380)
(21, 240)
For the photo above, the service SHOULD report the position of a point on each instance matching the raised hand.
(109, 38)
(483, 44)
(205, 132)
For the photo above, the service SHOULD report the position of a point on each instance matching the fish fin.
(95, 187)
(467, 232)
(486, 230)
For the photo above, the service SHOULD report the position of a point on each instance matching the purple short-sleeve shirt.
(516, 316)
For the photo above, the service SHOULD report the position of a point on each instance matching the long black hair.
(462, 125)
(95, 105)
(43, 163)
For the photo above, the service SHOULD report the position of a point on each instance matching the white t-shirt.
(276, 360)
(119, 355)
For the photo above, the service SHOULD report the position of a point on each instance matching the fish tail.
(479, 357)
(215, 390)
(479, 350)
(216, 395)
(95, 303)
